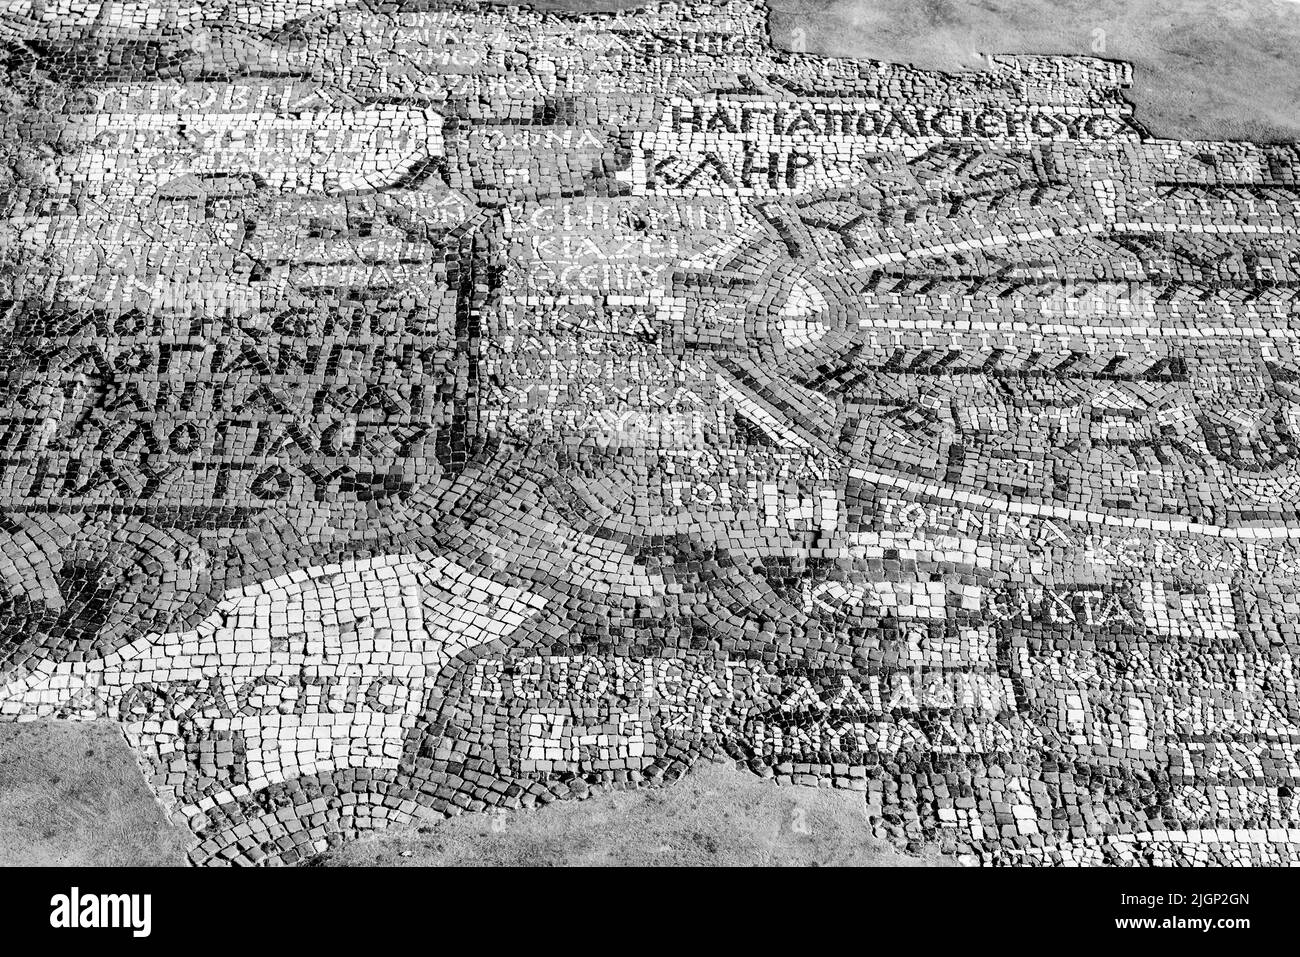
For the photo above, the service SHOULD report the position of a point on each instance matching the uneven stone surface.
(1202, 69)
(421, 408)
(72, 795)
(715, 816)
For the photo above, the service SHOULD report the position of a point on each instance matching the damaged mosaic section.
(415, 408)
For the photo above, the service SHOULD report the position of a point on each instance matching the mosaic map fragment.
(409, 408)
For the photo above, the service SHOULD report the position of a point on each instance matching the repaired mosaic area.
(421, 407)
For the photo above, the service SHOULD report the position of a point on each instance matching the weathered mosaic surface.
(416, 408)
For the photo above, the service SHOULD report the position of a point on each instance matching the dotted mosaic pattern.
(410, 408)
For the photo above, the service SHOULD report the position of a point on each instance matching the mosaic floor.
(410, 408)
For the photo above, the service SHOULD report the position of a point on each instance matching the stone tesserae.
(412, 409)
